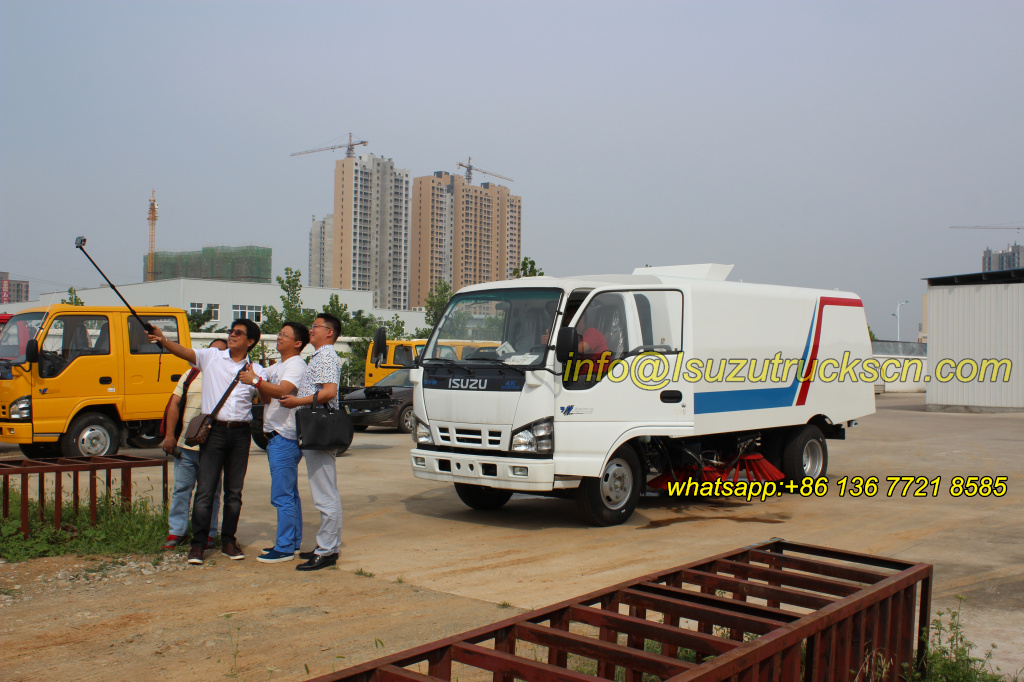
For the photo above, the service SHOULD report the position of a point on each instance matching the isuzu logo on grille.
(458, 382)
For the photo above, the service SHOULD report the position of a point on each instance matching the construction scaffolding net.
(232, 263)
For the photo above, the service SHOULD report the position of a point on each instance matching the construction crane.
(470, 168)
(349, 148)
(151, 258)
(986, 227)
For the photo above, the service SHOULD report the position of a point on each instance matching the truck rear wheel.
(92, 434)
(610, 499)
(805, 454)
(481, 498)
(147, 436)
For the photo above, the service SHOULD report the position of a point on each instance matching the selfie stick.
(80, 244)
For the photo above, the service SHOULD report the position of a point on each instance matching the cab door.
(76, 367)
(151, 373)
(639, 333)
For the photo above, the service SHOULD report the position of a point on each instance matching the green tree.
(291, 304)
(528, 268)
(871, 335)
(72, 298)
(437, 301)
(199, 319)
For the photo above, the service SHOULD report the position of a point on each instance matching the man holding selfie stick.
(226, 450)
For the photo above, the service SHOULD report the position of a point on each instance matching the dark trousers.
(227, 451)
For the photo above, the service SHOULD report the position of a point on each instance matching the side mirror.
(380, 347)
(567, 341)
(32, 351)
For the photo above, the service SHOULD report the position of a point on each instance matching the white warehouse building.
(228, 300)
(972, 319)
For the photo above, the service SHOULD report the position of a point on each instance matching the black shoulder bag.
(321, 428)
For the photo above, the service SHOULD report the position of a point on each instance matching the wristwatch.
(257, 381)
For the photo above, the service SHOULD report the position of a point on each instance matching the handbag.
(199, 426)
(321, 428)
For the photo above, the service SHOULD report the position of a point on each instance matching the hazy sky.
(821, 144)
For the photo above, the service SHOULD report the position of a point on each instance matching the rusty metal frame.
(774, 611)
(62, 465)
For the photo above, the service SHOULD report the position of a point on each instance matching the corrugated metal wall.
(976, 321)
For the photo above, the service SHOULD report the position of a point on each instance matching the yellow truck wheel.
(92, 434)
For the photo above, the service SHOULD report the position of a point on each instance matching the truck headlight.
(21, 408)
(421, 434)
(538, 437)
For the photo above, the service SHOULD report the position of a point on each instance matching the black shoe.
(318, 561)
(306, 556)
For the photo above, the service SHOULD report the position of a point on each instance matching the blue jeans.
(185, 470)
(283, 455)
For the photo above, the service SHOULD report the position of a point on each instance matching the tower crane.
(986, 227)
(470, 168)
(349, 148)
(151, 258)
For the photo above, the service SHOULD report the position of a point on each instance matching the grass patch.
(139, 529)
(365, 574)
(951, 656)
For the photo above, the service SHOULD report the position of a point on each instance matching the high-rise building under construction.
(232, 263)
(462, 233)
(369, 238)
(321, 250)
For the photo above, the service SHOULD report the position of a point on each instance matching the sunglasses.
(237, 332)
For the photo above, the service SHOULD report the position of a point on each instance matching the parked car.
(386, 403)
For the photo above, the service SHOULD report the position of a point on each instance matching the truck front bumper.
(493, 472)
(15, 432)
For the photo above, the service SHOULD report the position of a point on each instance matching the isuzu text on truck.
(592, 385)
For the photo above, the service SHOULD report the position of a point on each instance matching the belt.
(231, 425)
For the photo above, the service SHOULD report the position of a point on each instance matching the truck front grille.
(463, 437)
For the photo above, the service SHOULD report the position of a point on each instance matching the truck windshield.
(507, 326)
(16, 334)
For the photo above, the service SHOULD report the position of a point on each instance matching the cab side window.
(403, 356)
(71, 337)
(138, 342)
(661, 321)
(603, 337)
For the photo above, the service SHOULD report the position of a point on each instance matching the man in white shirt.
(226, 450)
(321, 384)
(283, 453)
(186, 457)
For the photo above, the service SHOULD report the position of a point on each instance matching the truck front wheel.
(92, 434)
(805, 454)
(610, 499)
(480, 498)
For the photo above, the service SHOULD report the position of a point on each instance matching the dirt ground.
(416, 565)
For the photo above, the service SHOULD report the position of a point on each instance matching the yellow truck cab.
(401, 353)
(81, 381)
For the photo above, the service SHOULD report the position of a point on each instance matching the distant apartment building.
(12, 290)
(1009, 259)
(321, 250)
(229, 263)
(462, 233)
(370, 236)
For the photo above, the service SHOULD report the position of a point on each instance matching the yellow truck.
(82, 381)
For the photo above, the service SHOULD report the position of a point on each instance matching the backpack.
(192, 374)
